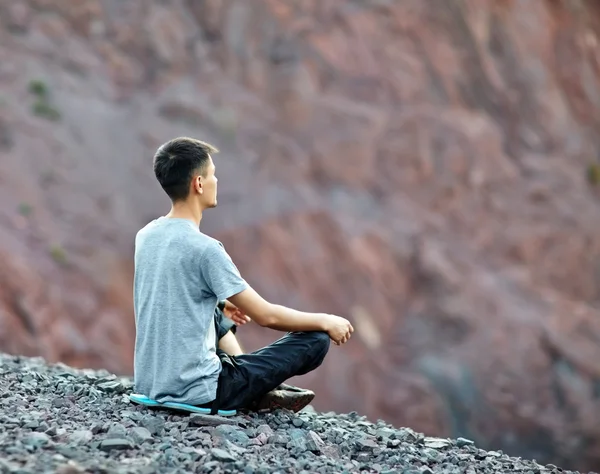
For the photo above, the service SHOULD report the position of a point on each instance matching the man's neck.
(184, 210)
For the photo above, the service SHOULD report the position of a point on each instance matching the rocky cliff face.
(426, 168)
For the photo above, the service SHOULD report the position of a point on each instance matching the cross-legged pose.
(182, 353)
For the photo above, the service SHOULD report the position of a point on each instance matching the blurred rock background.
(427, 168)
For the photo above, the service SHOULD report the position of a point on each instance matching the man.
(180, 275)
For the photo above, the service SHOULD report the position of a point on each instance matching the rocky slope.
(426, 168)
(54, 418)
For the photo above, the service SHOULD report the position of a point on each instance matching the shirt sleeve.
(220, 273)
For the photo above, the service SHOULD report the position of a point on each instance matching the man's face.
(209, 187)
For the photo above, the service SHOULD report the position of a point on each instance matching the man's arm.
(282, 318)
(223, 278)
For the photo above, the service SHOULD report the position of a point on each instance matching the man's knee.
(323, 339)
(319, 342)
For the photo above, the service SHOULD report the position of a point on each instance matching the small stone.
(14, 450)
(462, 442)
(280, 439)
(260, 439)
(436, 443)
(431, 454)
(211, 466)
(266, 429)
(298, 422)
(59, 402)
(385, 433)
(70, 467)
(96, 428)
(32, 425)
(81, 436)
(298, 440)
(139, 434)
(366, 444)
(115, 443)
(198, 419)
(117, 430)
(314, 443)
(153, 424)
(36, 439)
(68, 452)
(407, 435)
(233, 434)
(222, 455)
(111, 387)
(393, 443)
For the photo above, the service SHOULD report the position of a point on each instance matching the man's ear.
(198, 184)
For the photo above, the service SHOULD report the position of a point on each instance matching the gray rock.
(32, 425)
(222, 455)
(393, 443)
(115, 443)
(233, 434)
(298, 440)
(153, 424)
(81, 436)
(96, 428)
(59, 402)
(116, 430)
(366, 444)
(36, 439)
(298, 422)
(279, 438)
(461, 442)
(385, 433)
(139, 434)
(314, 443)
(437, 443)
(198, 419)
(70, 468)
(407, 435)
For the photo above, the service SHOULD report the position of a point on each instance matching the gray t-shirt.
(180, 274)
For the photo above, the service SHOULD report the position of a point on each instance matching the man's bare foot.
(290, 400)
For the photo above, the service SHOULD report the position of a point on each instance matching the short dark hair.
(176, 161)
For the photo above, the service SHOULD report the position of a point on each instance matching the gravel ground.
(54, 418)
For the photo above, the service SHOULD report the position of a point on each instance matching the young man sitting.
(183, 352)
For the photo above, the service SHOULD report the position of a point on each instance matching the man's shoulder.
(179, 232)
(215, 250)
(211, 243)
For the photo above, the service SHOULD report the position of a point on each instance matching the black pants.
(246, 378)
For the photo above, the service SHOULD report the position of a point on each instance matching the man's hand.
(339, 329)
(235, 314)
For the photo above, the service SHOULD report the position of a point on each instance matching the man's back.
(180, 274)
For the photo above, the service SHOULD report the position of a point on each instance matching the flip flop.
(143, 400)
